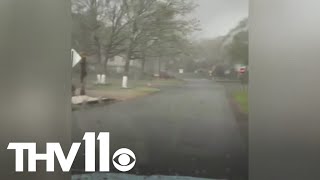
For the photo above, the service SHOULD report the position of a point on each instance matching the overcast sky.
(217, 17)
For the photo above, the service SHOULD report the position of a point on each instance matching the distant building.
(117, 64)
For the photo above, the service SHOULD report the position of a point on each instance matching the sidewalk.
(83, 99)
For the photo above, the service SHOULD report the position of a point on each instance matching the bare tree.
(166, 29)
(114, 34)
(87, 16)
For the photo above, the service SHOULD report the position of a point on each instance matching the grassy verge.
(137, 88)
(241, 98)
(119, 93)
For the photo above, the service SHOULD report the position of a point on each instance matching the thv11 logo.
(123, 159)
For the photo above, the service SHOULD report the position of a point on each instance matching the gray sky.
(217, 17)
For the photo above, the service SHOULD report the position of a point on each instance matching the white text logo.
(123, 159)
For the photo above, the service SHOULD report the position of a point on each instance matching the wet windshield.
(168, 80)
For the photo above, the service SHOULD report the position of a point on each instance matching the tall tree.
(163, 30)
(114, 33)
(239, 48)
(236, 43)
(87, 23)
(137, 13)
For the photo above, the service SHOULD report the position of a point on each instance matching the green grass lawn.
(241, 98)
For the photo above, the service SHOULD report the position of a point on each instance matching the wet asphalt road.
(185, 130)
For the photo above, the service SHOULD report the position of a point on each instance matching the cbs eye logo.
(124, 159)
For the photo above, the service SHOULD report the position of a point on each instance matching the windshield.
(167, 79)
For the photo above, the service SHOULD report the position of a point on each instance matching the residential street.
(185, 130)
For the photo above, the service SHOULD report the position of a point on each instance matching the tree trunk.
(127, 63)
(100, 69)
(127, 67)
(105, 65)
(159, 66)
(126, 72)
(99, 48)
(143, 63)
